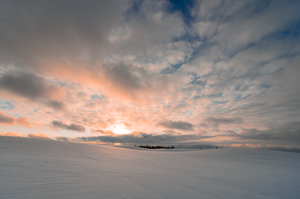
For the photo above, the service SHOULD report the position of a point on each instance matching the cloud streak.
(180, 125)
(217, 121)
(72, 127)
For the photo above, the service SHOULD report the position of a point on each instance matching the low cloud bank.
(144, 138)
(286, 149)
(10, 134)
(38, 135)
(195, 146)
(288, 131)
(30, 135)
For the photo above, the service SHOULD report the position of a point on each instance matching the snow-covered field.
(32, 168)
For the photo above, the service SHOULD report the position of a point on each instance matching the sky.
(218, 73)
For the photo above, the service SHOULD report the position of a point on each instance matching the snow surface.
(32, 168)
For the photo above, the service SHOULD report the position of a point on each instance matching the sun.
(120, 129)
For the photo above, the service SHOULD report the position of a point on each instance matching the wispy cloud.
(177, 125)
(217, 121)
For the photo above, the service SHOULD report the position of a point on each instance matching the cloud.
(11, 133)
(177, 125)
(281, 148)
(253, 145)
(215, 122)
(288, 131)
(32, 87)
(269, 147)
(73, 127)
(30, 135)
(9, 120)
(250, 20)
(6, 119)
(38, 136)
(70, 139)
(144, 138)
(88, 47)
(237, 145)
(100, 131)
(27, 85)
(254, 134)
(40, 34)
(56, 104)
(227, 69)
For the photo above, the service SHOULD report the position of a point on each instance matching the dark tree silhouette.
(155, 147)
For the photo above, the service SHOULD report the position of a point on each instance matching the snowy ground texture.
(42, 169)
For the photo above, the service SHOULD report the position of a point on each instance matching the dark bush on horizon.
(155, 147)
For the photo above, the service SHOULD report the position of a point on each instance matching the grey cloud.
(24, 84)
(124, 76)
(222, 120)
(31, 29)
(38, 136)
(286, 149)
(61, 138)
(56, 104)
(145, 138)
(289, 131)
(6, 119)
(177, 125)
(256, 134)
(31, 87)
(73, 127)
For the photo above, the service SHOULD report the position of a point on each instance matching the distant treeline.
(155, 147)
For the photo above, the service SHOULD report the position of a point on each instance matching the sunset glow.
(119, 129)
(224, 73)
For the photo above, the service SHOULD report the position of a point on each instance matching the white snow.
(41, 169)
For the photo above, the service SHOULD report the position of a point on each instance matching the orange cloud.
(9, 120)
(100, 131)
(11, 134)
(253, 145)
(30, 135)
(125, 81)
(127, 125)
(247, 145)
(237, 145)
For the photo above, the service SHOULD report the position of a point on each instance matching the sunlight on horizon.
(120, 129)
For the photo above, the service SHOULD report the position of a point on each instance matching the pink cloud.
(11, 134)
(10, 120)
(237, 145)
(253, 145)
